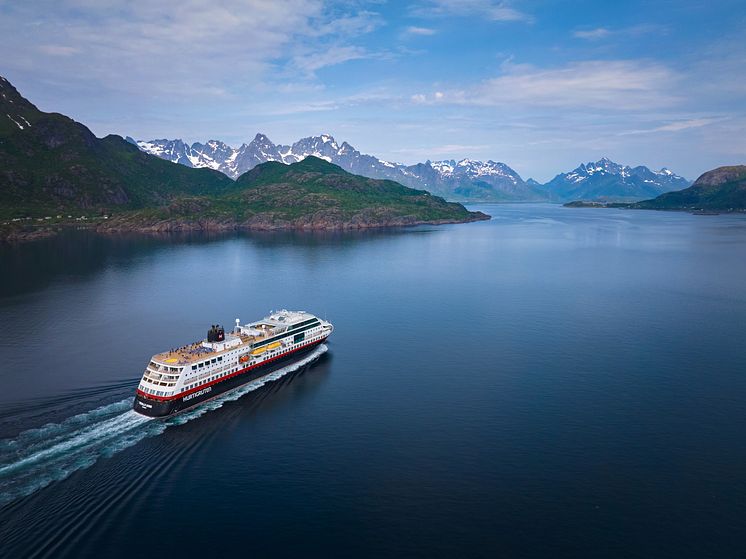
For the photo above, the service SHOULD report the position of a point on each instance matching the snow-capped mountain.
(461, 180)
(606, 180)
(469, 179)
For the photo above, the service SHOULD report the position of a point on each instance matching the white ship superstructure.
(184, 376)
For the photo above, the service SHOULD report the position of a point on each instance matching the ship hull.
(152, 407)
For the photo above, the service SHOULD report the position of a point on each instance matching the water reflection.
(76, 255)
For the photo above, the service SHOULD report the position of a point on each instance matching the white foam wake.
(37, 457)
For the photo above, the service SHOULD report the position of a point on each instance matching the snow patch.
(15, 122)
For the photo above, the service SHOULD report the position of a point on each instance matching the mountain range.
(464, 180)
(606, 180)
(56, 172)
(457, 180)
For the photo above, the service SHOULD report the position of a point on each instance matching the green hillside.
(722, 189)
(310, 194)
(49, 163)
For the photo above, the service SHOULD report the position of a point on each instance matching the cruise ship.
(184, 377)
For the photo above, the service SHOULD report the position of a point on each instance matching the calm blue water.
(552, 383)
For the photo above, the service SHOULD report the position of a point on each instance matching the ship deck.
(194, 352)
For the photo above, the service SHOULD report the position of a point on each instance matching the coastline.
(636, 206)
(25, 232)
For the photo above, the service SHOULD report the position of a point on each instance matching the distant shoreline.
(634, 206)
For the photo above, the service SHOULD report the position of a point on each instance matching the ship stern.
(152, 408)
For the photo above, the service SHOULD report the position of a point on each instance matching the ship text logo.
(199, 393)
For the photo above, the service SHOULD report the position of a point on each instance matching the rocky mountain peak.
(606, 180)
(261, 139)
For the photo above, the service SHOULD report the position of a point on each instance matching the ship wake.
(38, 457)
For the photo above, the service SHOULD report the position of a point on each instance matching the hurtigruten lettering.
(195, 394)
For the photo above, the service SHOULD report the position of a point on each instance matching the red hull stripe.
(221, 379)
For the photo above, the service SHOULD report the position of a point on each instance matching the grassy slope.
(314, 184)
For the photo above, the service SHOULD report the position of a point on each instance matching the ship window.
(214, 361)
(220, 358)
(194, 367)
(201, 365)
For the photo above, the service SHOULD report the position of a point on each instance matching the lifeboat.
(243, 358)
(274, 345)
(259, 350)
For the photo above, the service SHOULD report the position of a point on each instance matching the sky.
(541, 85)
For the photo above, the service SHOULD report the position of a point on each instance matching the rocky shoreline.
(123, 224)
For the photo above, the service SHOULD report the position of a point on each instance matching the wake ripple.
(38, 457)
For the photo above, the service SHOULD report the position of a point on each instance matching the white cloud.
(686, 124)
(495, 11)
(310, 63)
(179, 48)
(599, 33)
(592, 34)
(608, 85)
(412, 30)
(676, 126)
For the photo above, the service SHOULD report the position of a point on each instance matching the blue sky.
(538, 84)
